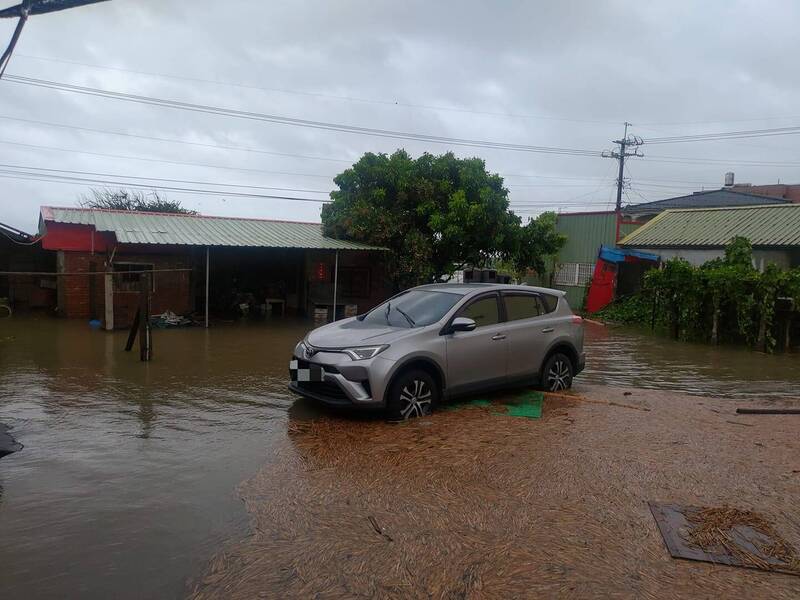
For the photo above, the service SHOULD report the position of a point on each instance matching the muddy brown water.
(127, 485)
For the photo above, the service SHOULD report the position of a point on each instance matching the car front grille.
(329, 389)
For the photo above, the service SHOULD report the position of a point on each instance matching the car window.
(549, 301)
(483, 311)
(414, 308)
(522, 307)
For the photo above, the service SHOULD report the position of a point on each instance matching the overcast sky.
(561, 74)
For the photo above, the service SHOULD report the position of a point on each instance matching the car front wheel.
(413, 394)
(557, 373)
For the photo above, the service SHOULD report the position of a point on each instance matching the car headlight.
(364, 352)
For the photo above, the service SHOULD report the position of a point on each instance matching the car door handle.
(499, 336)
(548, 330)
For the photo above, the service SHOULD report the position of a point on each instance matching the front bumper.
(345, 382)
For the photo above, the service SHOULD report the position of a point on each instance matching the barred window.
(127, 276)
(585, 271)
(574, 274)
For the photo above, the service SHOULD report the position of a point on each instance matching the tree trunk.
(761, 342)
(715, 322)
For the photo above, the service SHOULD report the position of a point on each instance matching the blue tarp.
(617, 255)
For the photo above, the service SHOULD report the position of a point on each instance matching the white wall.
(761, 258)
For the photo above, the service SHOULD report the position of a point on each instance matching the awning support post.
(207, 278)
(335, 282)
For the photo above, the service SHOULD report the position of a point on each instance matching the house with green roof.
(201, 264)
(701, 234)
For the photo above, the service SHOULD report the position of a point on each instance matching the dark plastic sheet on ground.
(8, 445)
(675, 526)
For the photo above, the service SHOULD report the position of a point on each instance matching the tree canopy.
(133, 200)
(436, 214)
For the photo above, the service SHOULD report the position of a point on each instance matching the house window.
(353, 282)
(585, 271)
(574, 274)
(127, 276)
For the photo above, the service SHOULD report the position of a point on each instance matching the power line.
(77, 177)
(172, 140)
(393, 103)
(689, 160)
(32, 7)
(725, 135)
(192, 182)
(55, 178)
(163, 160)
(307, 123)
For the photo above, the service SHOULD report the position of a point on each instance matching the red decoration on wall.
(321, 272)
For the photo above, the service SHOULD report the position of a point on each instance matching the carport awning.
(131, 227)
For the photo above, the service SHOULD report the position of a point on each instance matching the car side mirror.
(463, 324)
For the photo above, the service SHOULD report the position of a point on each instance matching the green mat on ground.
(527, 404)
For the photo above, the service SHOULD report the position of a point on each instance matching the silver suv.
(435, 342)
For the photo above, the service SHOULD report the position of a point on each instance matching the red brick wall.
(172, 290)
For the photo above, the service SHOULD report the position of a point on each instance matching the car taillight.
(577, 320)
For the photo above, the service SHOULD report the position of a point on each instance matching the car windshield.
(415, 308)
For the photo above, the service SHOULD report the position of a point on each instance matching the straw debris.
(714, 530)
(481, 505)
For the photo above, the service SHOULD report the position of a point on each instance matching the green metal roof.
(195, 230)
(776, 225)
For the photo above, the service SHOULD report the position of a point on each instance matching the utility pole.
(624, 143)
(32, 7)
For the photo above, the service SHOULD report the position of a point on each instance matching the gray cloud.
(570, 72)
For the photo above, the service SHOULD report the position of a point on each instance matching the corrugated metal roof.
(707, 199)
(776, 225)
(194, 230)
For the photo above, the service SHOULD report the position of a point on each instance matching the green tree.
(436, 214)
(133, 200)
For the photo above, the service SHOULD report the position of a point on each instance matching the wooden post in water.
(108, 299)
(134, 329)
(145, 341)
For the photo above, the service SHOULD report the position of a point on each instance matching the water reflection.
(135, 464)
(630, 357)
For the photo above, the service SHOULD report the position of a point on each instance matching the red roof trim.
(596, 212)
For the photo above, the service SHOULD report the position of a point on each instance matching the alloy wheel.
(415, 399)
(558, 377)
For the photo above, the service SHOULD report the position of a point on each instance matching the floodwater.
(128, 481)
(624, 356)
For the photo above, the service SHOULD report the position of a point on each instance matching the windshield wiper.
(386, 314)
(409, 319)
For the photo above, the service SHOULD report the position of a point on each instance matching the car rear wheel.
(413, 394)
(557, 373)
